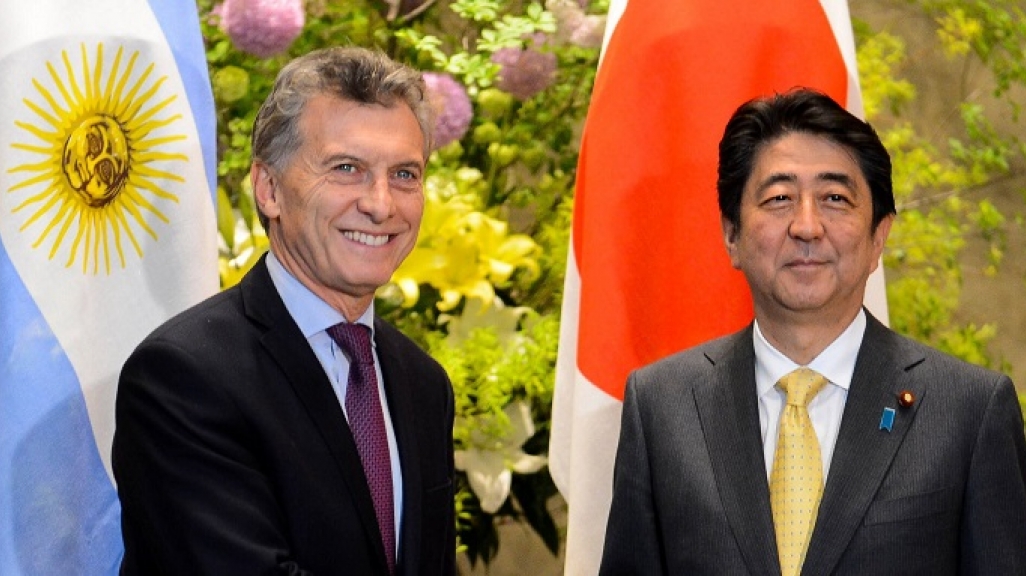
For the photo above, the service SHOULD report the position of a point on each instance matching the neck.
(802, 336)
(351, 307)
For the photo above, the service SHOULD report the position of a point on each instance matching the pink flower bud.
(262, 28)
(525, 72)
(452, 107)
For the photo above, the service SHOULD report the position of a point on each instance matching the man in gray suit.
(919, 458)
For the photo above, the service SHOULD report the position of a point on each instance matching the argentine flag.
(107, 228)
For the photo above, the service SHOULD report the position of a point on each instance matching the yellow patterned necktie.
(796, 482)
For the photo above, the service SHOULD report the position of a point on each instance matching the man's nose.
(807, 223)
(378, 202)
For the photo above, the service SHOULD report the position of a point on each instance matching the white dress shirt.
(314, 316)
(836, 363)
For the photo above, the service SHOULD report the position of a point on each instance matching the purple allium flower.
(262, 28)
(451, 105)
(589, 32)
(525, 72)
(574, 26)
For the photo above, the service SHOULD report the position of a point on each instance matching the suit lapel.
(286, 344)
(729, 412)
(864, 451)
(402, 410)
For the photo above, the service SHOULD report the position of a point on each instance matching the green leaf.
(533, 492)
(225, 218)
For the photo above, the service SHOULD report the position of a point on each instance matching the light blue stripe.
(59, 512)
(179, 20)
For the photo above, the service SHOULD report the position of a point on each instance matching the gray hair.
(353, 74)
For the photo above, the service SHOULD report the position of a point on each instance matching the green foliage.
(481, 291)
(938, 169)
(879, 56)
(993, 31)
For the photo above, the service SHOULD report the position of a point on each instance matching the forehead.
(329, 119)
(804, 157)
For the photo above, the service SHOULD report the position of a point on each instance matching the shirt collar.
(836, 362)
(311, 314)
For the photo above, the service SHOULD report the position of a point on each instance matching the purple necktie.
(367, 422)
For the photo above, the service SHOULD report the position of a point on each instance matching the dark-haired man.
(816, 440)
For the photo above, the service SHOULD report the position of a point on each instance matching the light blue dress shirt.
(314, 316)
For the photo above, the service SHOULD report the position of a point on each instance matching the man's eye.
(406, 175)
(345, 168)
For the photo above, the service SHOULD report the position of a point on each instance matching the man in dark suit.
(280, 427)
(904, 461)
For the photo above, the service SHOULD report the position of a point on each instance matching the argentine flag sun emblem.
(107, 229)
(96, 134)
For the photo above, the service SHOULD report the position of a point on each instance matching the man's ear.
(730, 234)
(265, 190)
(883, 229)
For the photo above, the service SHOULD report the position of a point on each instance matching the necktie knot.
(801, 386)
(355, 340)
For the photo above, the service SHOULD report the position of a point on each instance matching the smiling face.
(805, 241)
(346, 209)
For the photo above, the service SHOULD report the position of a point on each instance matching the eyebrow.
(777, 178)
(790, 177)
(410, 164)
(839, 177)
(350, 157)
(332, 159)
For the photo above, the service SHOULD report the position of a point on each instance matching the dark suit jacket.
(942, 492)
(233, 456)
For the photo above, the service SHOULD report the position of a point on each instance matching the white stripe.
(840, 22)
(585, 431)
(99, 318)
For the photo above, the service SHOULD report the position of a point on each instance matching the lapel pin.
(887, 419)
(906, 399)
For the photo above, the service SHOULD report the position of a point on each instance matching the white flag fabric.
(107, 228)
(647, 273)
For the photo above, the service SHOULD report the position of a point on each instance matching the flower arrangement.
(510, 83)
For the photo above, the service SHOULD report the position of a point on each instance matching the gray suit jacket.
(942, 492)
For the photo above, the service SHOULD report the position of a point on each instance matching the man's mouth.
(367, 239)
(804, 263)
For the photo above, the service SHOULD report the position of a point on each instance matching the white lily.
(490, 469)
(479, 313)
